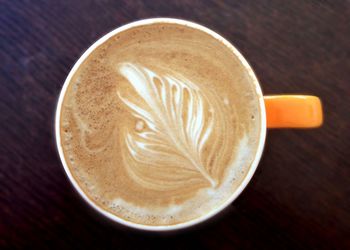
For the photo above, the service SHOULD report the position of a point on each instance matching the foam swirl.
(174, 121)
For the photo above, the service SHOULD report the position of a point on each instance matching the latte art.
(156, 124)
(178, 120)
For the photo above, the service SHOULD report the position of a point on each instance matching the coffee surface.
(160, 124)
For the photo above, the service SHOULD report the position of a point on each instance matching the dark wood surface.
(299, 197)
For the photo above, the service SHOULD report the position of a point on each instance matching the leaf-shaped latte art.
(174, 123)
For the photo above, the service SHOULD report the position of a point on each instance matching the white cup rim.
(251, 170)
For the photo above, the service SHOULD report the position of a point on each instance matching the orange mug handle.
(293, 111)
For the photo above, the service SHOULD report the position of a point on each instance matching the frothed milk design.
(176, 120)
(160, 124)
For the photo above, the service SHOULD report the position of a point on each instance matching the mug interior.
(252, 168)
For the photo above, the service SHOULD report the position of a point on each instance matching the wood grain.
(299, 197)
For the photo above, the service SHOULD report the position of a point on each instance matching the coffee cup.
(161, 124)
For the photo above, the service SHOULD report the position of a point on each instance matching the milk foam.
(158, 131)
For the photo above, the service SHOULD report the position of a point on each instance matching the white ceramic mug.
(282, 111)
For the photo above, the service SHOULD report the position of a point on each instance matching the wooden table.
(299, 197)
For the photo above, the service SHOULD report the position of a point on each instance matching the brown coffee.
(160, 124)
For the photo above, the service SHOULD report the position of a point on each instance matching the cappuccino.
(160, 124)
